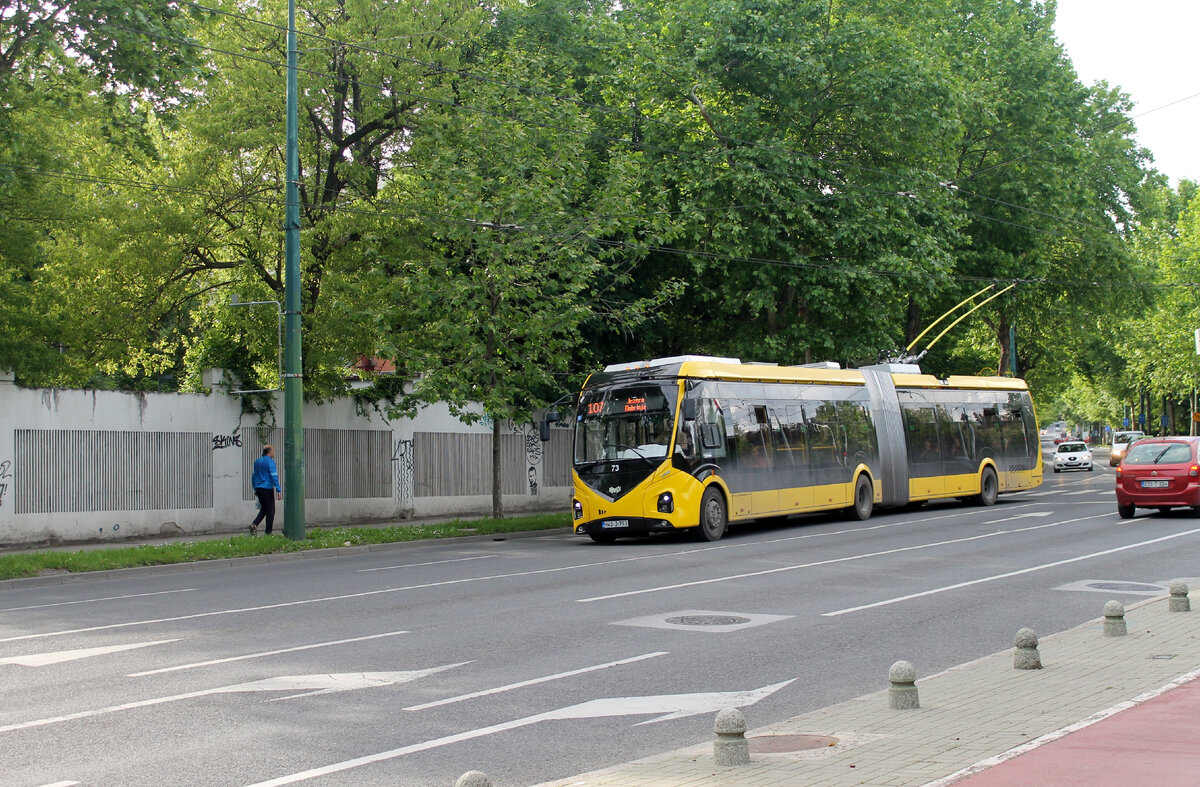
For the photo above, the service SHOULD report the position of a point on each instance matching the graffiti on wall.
(220, 441)
(533, 451)
(5, 474)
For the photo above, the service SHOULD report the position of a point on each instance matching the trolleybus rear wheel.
(712, 516)
(989, 487)
(864, 498)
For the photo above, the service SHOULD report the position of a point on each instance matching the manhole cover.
(708, 620)
(780, 744)
(1129, 587)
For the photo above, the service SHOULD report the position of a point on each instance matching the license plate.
(615, 523)
(1155, 484)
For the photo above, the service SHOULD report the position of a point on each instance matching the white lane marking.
(57, 657)
(448, 582)
(92, 600)
(1008, 574)
(1026, 515)
(535, 681)
(832, 561)
(1050, 737)
(430, 563)
(313, 684)
(263, 654)
(672, 706)
(60, 784)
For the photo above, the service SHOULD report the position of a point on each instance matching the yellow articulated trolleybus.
(694, 443)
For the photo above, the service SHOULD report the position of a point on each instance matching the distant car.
(1120, 443)
(1058, 438)
(1160, 472)
(1072, 456)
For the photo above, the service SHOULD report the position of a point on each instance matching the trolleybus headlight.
(666, 503)
(575, 504)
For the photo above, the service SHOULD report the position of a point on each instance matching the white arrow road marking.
(1008, 574)
(261, 654)
(671, 706)
(314, 684)
(57, 657)
(92, 600)
(534, 681)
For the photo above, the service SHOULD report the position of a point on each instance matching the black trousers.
(266, 501)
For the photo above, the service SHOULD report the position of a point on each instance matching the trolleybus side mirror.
(544, 427)
(689, 409)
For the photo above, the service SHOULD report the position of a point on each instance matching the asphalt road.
(539, 658)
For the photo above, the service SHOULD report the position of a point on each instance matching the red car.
(1161, 472)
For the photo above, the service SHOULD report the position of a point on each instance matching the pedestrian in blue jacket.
(265, 481)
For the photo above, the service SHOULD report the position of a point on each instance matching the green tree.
(509, 263)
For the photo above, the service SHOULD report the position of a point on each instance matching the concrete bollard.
(1114, 619)
(1026, 655)
(1179, 597)
(903, 693)
(473, 779)
(731, 746)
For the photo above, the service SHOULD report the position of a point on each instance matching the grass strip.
(33, 564)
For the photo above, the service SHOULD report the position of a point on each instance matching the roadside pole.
(293, 386)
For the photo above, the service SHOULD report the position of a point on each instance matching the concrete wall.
(82, 465)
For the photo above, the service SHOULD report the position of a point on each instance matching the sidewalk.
(1104, 711)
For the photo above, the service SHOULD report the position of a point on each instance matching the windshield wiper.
(634, 449)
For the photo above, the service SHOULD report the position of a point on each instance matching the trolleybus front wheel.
(989, 487)
(712, 516)
(864, 498)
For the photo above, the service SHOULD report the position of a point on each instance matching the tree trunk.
(912, 323)
(497, 501)
(1005, 363)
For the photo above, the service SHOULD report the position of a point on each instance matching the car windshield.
(1128, 437)
(1064, 448)
(1159, 454)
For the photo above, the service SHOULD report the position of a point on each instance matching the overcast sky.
(1148, 49)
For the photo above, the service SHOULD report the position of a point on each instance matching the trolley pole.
(293, 374)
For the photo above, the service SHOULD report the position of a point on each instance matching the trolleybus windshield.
(630, 422)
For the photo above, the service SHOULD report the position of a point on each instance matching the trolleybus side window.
(858, 432)
(796, 432)
(782, 448)
(922, 433)
(1013, 429)
(821, 446)
(712, 429)
(986, 426)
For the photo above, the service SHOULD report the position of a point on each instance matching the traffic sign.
(1125, 422)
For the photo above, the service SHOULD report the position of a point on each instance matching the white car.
(1072, 455)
